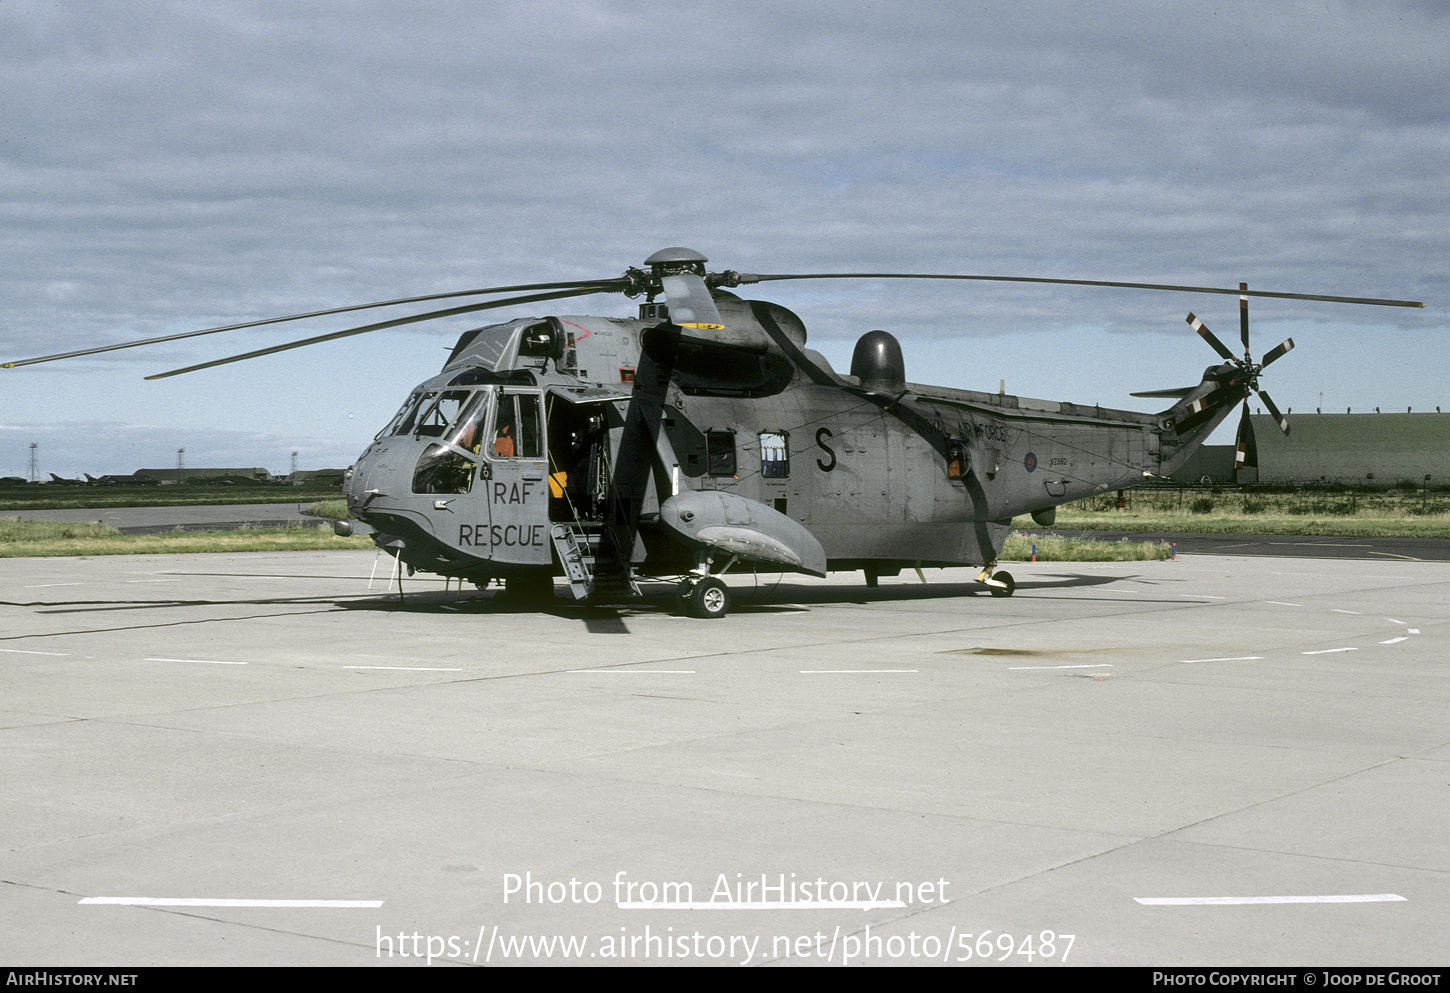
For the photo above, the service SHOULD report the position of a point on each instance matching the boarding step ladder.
(578, 551)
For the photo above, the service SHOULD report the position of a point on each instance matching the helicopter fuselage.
(606, 426)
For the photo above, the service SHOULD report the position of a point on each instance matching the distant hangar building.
(1337, 448)
(182, 475)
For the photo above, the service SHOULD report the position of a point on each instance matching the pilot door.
(515, 476)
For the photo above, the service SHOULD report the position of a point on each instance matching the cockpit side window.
(518, 428)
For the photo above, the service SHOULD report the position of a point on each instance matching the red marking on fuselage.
(581, 327)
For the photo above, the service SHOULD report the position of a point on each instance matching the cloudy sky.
(172, 166)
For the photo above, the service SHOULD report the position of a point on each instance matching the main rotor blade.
(1277, 352)
(756, 278)
(690, 303)
(399, 322)
(1280, 418)
(298, 317)
(1210, 337)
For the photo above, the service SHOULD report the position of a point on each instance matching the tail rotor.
(1246, 448)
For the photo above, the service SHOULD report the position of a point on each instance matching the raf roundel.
(1030, 462)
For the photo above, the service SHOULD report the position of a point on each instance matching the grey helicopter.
(703, 435)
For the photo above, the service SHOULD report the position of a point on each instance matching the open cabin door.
(580, 456)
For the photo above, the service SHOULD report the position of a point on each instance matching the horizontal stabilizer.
(1175, 393)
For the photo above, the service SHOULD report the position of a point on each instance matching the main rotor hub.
(669, 261)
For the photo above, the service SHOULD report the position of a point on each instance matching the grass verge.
(1385, 513)
(44, 539)
(51, 497)
(1361, 526)
(1055, 548)
(335, 510)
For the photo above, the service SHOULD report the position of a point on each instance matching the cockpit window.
(449, 466)
(402, 422)
(465, 433)
(441, 413)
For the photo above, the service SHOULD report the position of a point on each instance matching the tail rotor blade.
(1282, 421)
(1247, 454)
(1210, 337)
(1277, 352)
(1244, 315)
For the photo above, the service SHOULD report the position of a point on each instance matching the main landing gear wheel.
(707, 597)
(1009, 585)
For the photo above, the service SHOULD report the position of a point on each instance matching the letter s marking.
(821, 437)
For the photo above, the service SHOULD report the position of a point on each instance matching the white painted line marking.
(1414, 630)
(405, 668)
(1338, 611)
(148, 901)
(21, 651)
(1317, 544)
(1202, 596)
(1281, 603)
(769, 905)
(819, 672)
(1021, 668)
(1222, 901)
(1395, 641)
(134, 581)
(203, 661)
(42, 586)
(1393, 621)
(1236, 658)
(1329, 651)
(638, 672)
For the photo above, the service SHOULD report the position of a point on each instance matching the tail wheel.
(1008, 587)
(709, 598)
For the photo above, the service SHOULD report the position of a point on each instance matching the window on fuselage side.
(720, 452)
(774, 455)
(957, 460)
